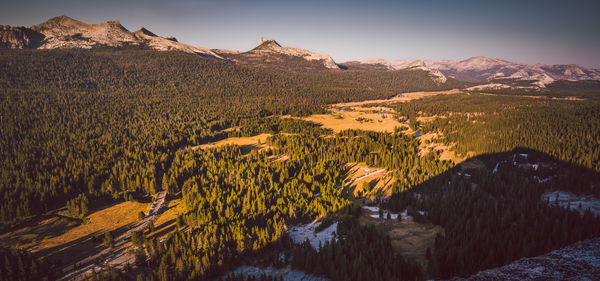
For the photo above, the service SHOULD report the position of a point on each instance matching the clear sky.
(552, 32)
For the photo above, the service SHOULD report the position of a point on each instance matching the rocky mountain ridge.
(501, 73)
(266, 47)
(66, 33)
(482, 69)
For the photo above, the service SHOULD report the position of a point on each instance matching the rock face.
(579, 261)
(19, 37)
(269, 47)
(376, 64)
(155, 42)
(435, 75)
(66, 33)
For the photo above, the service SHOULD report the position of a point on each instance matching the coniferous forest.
(83, 129)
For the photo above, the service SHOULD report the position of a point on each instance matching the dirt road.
(118, 255)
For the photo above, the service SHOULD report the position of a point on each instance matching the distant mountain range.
(65, 32)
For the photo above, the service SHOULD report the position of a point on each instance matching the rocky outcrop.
(434, 74)
(579, 261)
(271, 47)
(376, 64)
(19, 37)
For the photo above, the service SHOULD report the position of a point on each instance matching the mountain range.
(65, 32)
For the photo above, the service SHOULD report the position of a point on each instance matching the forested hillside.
(484, 123)
(237, 204)
(83, 129)
(107, 122)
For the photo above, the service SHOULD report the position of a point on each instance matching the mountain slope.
(170, 44)
(376, 64)
(66, 33)
(270, 53)
(434, 74)
(19, 37)
(481, 69)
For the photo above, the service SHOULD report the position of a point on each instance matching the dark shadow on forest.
(533, 166)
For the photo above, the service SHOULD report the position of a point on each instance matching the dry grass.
(107, 219)
(352, 115)
(380, 182)
(408, 238)
(64, 239)
(343, 120)
(404, 97)
(446, 153)
(472, 164)
(241, 141)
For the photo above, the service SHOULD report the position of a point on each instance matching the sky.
(550, 32)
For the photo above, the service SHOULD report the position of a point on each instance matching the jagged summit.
(267, 44)
(145, 31)
(270, 47)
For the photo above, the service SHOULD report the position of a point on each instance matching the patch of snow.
(372, 208)
(543, 180)
(283, 273)
(496, 168)
(392, 215)
(300, 233)
(574, 202)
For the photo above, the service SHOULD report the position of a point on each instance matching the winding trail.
(362, 177)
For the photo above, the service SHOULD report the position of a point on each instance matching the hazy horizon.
(549, 32)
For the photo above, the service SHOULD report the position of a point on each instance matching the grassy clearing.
(340, 120)
(404, 97)
(409, 238)
(249, 142)
(68, 240)
(428, 145)
(108, 219)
